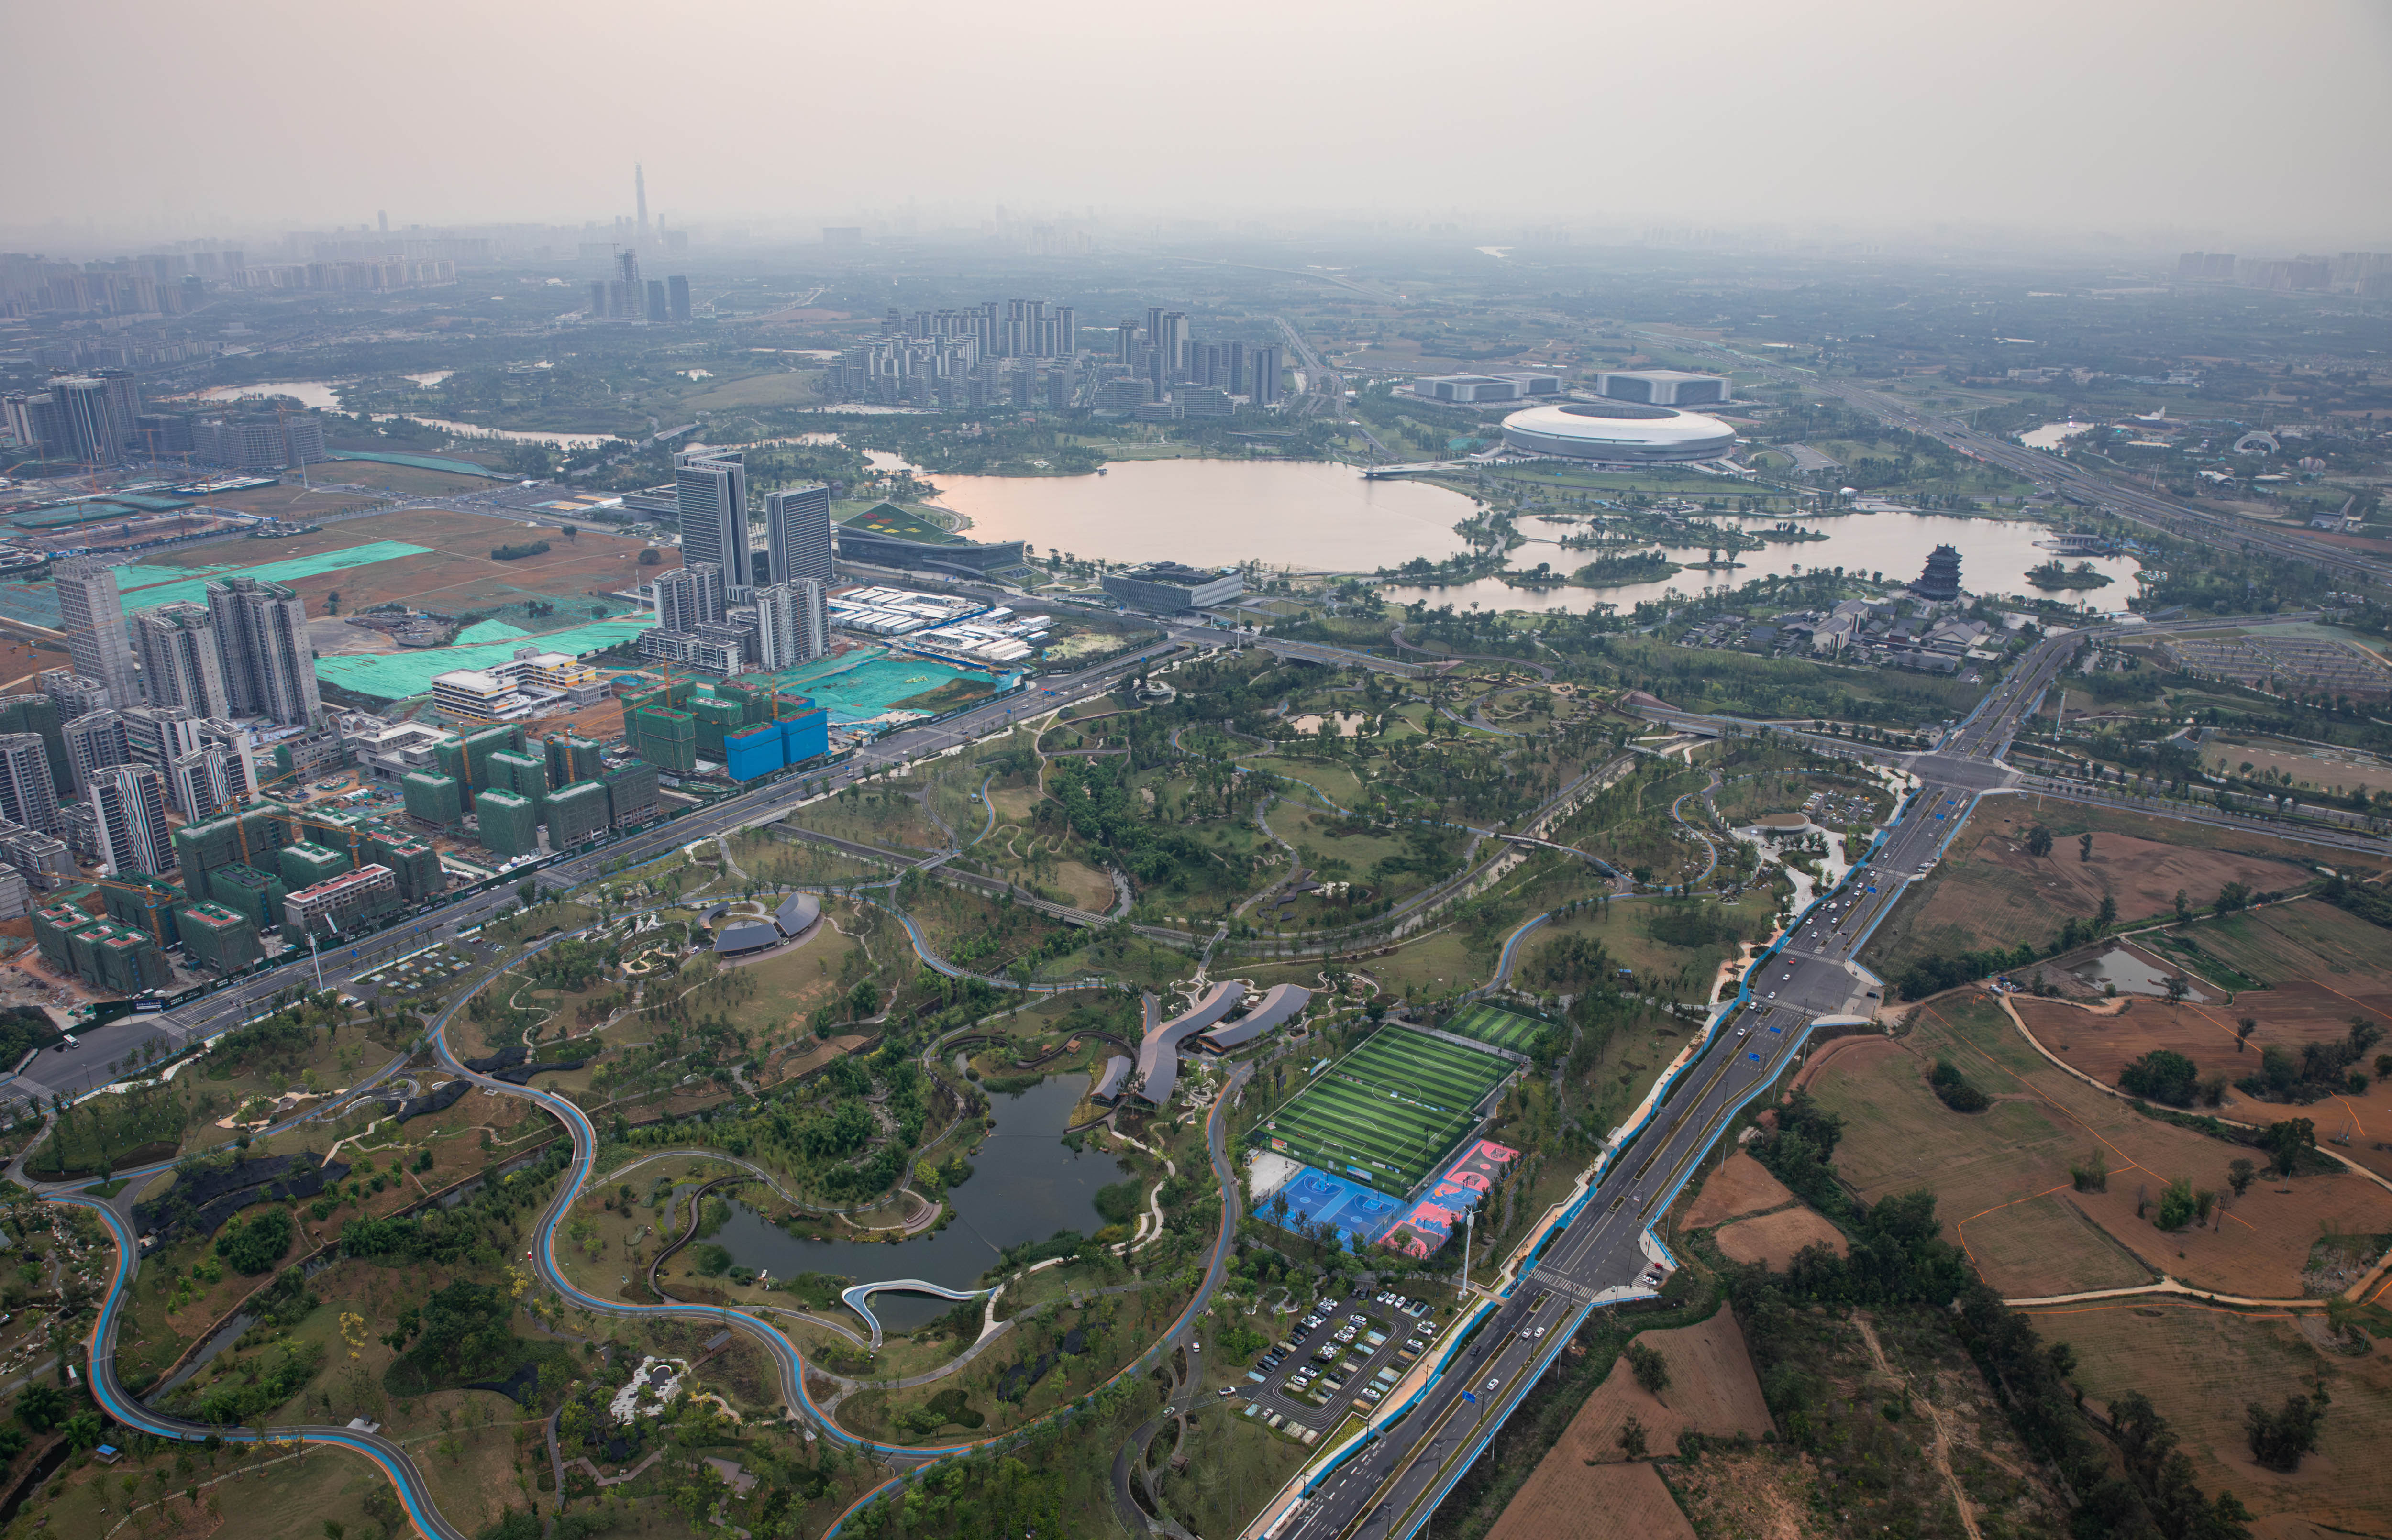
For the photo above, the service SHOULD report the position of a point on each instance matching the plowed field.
(1741, 1186)
(1566, 1499)
(1775, 1238)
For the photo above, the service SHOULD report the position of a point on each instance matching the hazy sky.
(2151, 119)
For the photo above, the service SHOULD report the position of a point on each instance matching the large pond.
(1025, 1185)
(324, 395)
(1313, 515)
(1995, 555)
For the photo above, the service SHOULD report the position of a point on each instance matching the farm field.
(1712, 1391)
(1492, 1023)
(2308, 940)
(1775, 1238)
(2002, 1180)
(2104, 1043)
(1559, 1497)
(2203, 1366)
(1988, 892)
(1387, 1112)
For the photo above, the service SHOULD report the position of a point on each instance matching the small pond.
(2132, 973)
(1025, 1185)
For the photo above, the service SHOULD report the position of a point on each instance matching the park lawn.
(276, 1498)
(791, 984)
(1330, 778)
(881, 816)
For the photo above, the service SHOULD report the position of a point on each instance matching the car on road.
(1492, 1384)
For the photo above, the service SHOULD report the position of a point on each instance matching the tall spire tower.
(639, 187)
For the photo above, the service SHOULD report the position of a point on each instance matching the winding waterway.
(1025, 1185)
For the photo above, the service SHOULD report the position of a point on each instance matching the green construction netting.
(395, 676)
(195, 590)
(860, 685)
(425, 462)
(488, 630)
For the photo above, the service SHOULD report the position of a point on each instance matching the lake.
(323, 395)
(1313, 515)
(2051, 434)
(1995, 555)
(1025, 1185)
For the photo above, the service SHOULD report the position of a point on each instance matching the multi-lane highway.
(1390, 1483)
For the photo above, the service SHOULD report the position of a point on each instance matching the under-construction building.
(236, 839)
(414, 863)
(145, 904)
(218, 937)
(467, 760)
(509, 823)
(248, 891)
(577, 815)
(106, 955)
(305, 865)
(571, 759)
(339, 905)
(435, 800)
(523, 773)
(631, 793)
(660, 728)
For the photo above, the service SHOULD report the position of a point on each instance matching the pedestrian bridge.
(854, 1298)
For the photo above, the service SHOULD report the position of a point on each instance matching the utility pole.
(1469, 1223)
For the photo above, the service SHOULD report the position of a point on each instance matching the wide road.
(1604, 1253)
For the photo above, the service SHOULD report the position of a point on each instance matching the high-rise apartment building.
(689, 597)
(1264, 365)
(95, 742)
(269, 665)
(93, 618)
(659, 310)
(793, 623)
(75, 695)
(180, 664)
(677, 298)
(29, 798)
(712, 486)
(206, 783)
(128, 804)
(797, 532)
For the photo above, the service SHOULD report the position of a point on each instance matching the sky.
(2165, 124)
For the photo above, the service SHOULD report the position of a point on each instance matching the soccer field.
(1495, 1024)
(1387, 1112)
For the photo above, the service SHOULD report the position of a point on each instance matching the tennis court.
(1389, 1112)
(1492, 1023)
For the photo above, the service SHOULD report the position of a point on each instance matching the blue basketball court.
(1363, 1214)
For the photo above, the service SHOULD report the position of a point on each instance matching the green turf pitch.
(1495, 1024)
(1389, 1112)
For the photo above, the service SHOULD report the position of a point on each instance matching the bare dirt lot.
(1560, 1501)
(456, 572)
(1775, 1238)
(2002, 1176)
(1989, 892)
(2203, 1366)
(1741, 1186)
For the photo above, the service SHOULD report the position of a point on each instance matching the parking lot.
(1343, 1357)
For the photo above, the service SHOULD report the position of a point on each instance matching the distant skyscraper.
(797, 529)
(659, 311)
(1067, 332)
(93, 618)
(1265, 385)
(27, 796)
(1236, 383)
(269, 665)
(597, 299)
(792, 623)
(1174, 345)
(677, 298)
(180, 663)
(640, 192)
(1125, 343)
(712, 489)
(128, 806)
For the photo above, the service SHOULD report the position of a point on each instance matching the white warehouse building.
(1614, 430)
(1662, 387)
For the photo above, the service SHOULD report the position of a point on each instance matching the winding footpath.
(399, 1466)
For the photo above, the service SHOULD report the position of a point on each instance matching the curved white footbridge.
(854, 1298)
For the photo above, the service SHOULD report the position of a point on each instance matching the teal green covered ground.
(395, 676)
(860, 685)
(424, 462)
(195, 590)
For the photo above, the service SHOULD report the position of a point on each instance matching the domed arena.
(1616, 431)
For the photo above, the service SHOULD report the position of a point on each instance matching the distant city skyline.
(2131, 126)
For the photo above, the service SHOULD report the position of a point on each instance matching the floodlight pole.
(1469, 1221)
(318, 957)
